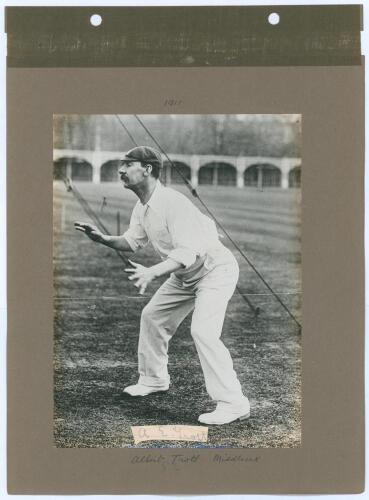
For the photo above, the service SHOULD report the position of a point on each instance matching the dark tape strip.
(183, 36)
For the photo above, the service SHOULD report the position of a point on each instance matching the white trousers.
(208, 297)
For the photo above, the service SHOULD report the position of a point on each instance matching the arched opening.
(218, 174)
(109, 171)
(271, 176)
(171, 175)
(75, 168)
(60, 168)
(81, 170)
(262, 175)
(294, 177)
(250, 176)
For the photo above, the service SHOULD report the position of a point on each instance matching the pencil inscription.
(178, 459)
(173, 102)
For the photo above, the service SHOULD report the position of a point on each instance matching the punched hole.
(95, 20)
(273, 18)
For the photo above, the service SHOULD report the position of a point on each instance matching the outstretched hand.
(143, 275)
(91, 231)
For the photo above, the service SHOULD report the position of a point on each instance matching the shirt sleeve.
(184, 228)
(136, 235)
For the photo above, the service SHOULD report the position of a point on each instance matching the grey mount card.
(213, 343)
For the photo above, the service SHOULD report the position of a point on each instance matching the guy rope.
(90, 212)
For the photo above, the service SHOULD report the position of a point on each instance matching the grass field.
(97, 312)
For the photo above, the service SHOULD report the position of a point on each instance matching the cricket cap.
(144, 154)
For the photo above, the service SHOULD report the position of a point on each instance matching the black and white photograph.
(177, 280)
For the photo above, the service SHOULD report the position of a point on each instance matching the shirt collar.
(155, 198)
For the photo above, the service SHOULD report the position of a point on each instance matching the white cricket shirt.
(175, 227)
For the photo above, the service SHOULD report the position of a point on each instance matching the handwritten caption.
(169, 433)
(178, 460)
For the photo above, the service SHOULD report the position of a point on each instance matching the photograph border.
(264, 330)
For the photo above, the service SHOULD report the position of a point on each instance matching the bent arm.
(117, 243)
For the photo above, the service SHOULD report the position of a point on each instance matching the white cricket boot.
(143, 390)
(226, 413)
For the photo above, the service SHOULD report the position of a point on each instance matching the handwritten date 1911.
(173, 102)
